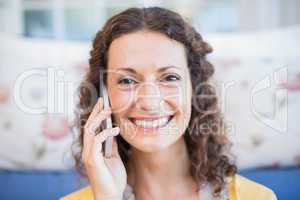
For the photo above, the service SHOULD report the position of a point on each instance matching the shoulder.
(246, 189)
(82, 194)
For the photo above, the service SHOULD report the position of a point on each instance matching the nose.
(148, 97)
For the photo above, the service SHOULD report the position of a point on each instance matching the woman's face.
(149, 88)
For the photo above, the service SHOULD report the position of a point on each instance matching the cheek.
(179, 97)
(120, 101)
(181, 101)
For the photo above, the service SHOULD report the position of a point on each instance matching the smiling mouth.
(153, 123)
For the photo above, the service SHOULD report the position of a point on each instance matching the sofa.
(51, 185)
(35, 160)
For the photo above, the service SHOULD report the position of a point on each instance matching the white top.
(205, 193)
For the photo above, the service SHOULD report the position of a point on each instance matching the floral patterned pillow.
(37, 88)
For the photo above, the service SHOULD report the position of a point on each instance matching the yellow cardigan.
(240, 188)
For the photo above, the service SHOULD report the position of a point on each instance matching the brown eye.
(126, 81)
(171, 78)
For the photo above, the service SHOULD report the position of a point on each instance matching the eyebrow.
(162, 69)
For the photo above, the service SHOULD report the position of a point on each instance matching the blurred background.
(44, 51)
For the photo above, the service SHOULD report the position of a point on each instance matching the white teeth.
(151, 123)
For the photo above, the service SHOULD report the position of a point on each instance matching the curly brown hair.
(207, 144)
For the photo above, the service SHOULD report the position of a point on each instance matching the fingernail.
(115, 130)
(108, 110)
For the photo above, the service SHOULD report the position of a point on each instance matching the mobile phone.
(107, 122)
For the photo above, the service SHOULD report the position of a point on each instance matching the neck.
(165, 168)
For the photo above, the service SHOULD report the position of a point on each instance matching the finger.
(90, 130)
(97, 108)
(101, 137)
(95, 122)
(87, 143)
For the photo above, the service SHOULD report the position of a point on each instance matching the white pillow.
(261, 74)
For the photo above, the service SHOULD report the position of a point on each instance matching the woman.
(169, 137)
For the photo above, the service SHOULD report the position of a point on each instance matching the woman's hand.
(107, 176)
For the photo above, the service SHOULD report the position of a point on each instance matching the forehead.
(144, 49)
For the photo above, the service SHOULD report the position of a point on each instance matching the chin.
(149, 146)
(152, 144)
